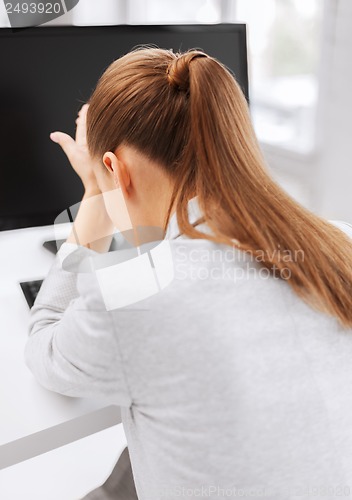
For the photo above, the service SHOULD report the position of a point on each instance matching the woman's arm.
(72, 348)
(92, 227)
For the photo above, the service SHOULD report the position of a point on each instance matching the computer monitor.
(46, 73)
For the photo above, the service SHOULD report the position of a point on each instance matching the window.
(284, 39)
(172, 11)
(284, 47)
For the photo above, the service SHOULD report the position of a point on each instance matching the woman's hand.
(78, 154)
(92, 227)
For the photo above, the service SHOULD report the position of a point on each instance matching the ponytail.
(187, 112)
(244, 207)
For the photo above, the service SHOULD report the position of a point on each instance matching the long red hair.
(187, 112)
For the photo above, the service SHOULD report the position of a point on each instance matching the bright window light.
(284, 47)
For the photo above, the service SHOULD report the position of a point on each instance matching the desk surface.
(26, 407)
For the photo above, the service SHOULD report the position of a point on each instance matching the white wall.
(335, 166)
(100, 12)
(323, 181)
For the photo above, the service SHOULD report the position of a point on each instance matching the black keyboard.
(30, 290)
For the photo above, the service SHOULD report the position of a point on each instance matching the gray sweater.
(230, 385)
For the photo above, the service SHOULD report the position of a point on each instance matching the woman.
(231, 378)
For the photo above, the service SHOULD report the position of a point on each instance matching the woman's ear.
(118, 170)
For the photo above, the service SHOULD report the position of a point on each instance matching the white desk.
(27, 408)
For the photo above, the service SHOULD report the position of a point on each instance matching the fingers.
(81, 138)
(84, 108)
(82, 113)
(65, 141)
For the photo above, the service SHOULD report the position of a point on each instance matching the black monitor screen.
(46, 73)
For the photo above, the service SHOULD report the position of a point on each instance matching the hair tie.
(178, 69)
